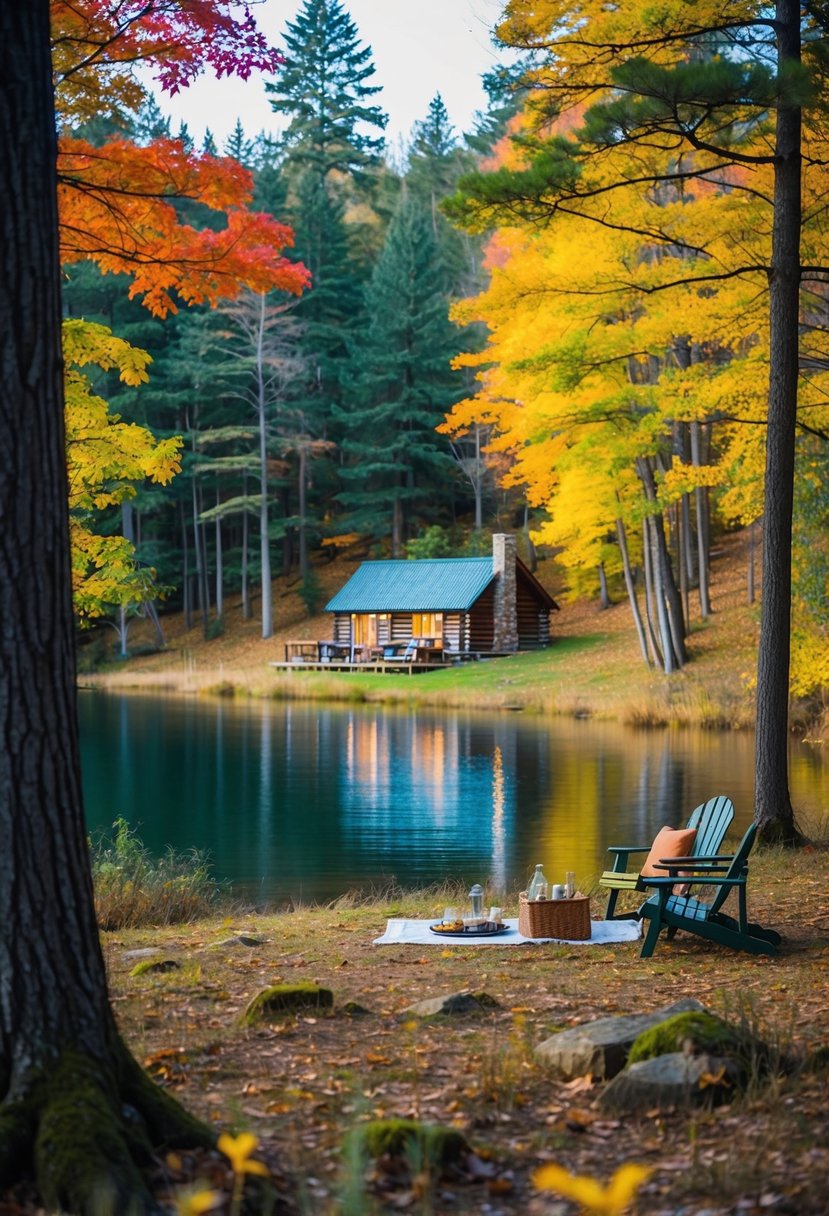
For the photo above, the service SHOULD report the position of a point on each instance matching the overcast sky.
(421, 47)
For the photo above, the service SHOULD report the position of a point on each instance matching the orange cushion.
(669, 843)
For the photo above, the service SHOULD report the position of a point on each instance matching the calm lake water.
(308, 801)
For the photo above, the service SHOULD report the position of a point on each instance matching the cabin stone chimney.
(505, 610)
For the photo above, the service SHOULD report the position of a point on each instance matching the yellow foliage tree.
(105, 458)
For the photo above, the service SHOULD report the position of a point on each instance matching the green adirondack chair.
(712, 820)
(665, 910)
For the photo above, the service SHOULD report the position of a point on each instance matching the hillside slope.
(593, 667)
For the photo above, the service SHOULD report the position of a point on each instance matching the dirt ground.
(301, 1082)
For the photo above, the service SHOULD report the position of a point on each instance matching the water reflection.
(303, 801)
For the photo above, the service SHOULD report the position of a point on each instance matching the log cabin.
(454, 606)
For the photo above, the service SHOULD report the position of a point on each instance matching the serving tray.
(490, 929)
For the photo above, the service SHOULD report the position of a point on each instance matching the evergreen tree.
(398, 466)
(331, 153)
(323, 89)
(239, 147)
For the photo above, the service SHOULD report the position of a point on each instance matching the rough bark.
(64, 1073)
(773, 808)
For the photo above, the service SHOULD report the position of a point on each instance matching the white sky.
(420, 47)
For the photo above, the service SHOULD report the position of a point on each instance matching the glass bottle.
(476, 896)
(538, 885)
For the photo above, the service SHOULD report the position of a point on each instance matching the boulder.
(457, 1002)
(601, 1047)
(675, 1079)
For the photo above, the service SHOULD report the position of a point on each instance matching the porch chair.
(724, 874)
(409, 655)
(711, 820)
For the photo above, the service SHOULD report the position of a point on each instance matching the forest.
(608, 298)
(452, 348)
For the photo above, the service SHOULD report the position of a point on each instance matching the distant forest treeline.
(309, 420)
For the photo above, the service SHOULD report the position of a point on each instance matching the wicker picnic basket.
(568, 919)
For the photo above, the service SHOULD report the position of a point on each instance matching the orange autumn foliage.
(116, 200)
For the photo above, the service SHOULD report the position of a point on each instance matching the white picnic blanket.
(417, 933)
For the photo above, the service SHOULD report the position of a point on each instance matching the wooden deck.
(376, 667)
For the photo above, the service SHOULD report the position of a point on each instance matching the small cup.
(495, 915)
(559, 891)
(450, 915)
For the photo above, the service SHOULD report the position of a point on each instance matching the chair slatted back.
(737, 867)
(712, 820)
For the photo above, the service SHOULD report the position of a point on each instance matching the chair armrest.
(714, 857)
(623, 851)
(713, 881)
(688, 866)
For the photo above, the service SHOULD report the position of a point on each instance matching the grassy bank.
(302, 1083)
(592, 669)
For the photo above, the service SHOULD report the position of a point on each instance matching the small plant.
(133, 888)
(505, 1066)
(238, 1151)
(592, 1196)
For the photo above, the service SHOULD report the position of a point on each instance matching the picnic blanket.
(417, 933)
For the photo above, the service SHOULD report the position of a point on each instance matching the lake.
(306, 802)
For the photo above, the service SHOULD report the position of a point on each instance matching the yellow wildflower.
(197, 1202)
(610, 1200)
(238, 1149)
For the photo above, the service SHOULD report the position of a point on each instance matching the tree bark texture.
(64, 1072)
(773, 808)
(51, 969)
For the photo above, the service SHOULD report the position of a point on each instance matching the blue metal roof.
(439, 584)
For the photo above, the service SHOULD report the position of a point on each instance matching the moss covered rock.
(421, 1143)
(284, 999)
(697, 1033)
(155, 965)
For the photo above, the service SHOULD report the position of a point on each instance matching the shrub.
(133, 888)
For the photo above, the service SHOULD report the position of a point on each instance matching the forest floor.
(593, 668)
(300, 1083)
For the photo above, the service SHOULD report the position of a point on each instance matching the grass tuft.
(134, 889)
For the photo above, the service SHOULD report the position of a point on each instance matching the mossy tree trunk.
(76, 1109)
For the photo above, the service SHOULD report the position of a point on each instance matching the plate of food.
(456, 928)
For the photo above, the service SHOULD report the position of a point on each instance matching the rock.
(457, 1002)
(430, 1143)
(155, 964)
(697, 1033)
(675, 1079)
(601, 1047)
(143, 952)
(354, 1009)
(243, 939)
(284, 999)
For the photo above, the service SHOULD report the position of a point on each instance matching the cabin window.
(428, 625)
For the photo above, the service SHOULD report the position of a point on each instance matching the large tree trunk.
(64, 1073)
(773, 808)
(631, 589)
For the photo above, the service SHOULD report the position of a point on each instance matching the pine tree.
(330, 152)
(398, 466)
(324, 90)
